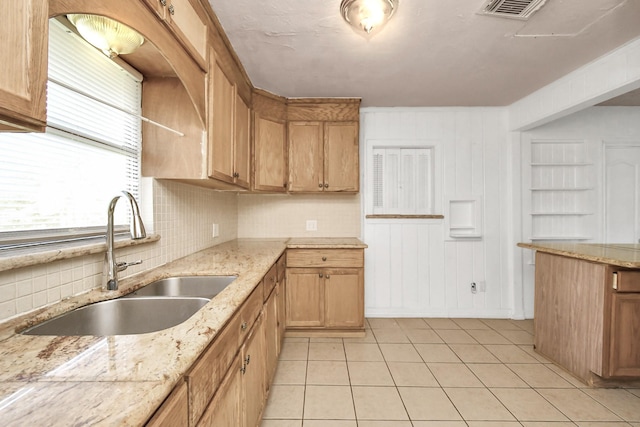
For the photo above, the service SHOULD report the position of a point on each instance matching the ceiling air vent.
(517, 9)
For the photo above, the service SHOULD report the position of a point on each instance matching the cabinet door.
(271, 336)
(305, 297)
(270, 167)
(225, 408)
(305, 157)
(190, 28)
(625, 335)
(24, 27)
(344, 298)
(221, 141)
(341, 166)
(174, 412)
(253, 378)
(242, 143)
(282, 321)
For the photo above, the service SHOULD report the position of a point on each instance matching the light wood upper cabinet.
(229, 130)
(24, 27)
(270, 143)
(306, 157)
(186, 20)
(323, 145)
(341, 166)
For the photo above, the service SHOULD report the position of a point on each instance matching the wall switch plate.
(312, 225)
(216, 230)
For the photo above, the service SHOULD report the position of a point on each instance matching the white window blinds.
(65, 178)
(402, 180)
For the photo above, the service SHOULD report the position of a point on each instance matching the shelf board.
(561, 213)
(561, 164)
(562, 189)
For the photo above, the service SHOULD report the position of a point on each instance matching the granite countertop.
(618, 254)
(325, 243)
(121, 380)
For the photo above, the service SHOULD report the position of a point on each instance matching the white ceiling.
(432, 53)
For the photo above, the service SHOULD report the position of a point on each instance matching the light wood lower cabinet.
(226, 407)
(253, 375)
(325, 289)
(587, 317)
(174, 412)
(271, 334)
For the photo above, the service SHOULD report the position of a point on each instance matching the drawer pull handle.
(163, 2)
(172, 10)
(243, 369)
(243, 326)
(248, 359)
(324, 258)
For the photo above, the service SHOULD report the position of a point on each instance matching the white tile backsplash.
(181, 214)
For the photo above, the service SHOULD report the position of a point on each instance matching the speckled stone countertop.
(121, 380)
(621, 255)
(323, 242)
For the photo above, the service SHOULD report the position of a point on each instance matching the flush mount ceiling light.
(368, 16)
(111, 37)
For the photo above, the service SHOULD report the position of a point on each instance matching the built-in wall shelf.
(464, 217)
(561, 189)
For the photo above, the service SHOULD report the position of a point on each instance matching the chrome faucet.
(111, 267)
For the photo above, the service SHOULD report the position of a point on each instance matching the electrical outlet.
(216, 230)
(474, 287)
(312, 225)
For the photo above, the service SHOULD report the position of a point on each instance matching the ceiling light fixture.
(111, 37)
(368, 15)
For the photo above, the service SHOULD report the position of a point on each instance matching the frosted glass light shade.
(367, 15)
(111, 37)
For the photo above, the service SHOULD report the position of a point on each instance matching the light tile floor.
(436, 373)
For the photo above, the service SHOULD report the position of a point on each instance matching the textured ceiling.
(432, 53)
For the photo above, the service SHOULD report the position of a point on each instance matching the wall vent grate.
(518, 9)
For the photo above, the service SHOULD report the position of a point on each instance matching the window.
(61, 181)
(402, 180)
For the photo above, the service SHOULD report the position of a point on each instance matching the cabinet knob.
(320, 185)
(326, 276)
(324, 258)
(163, 2)
(243, 326)
(172, 10)
(236, 175)
(320, 275)
(326, 185)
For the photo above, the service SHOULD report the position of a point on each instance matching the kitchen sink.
(187, 286)
(122, 316)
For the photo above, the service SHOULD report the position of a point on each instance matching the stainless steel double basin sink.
(160, 305)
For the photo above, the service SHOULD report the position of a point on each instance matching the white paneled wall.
(181, 214)
(413, 266)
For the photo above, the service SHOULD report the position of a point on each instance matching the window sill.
(18, 258)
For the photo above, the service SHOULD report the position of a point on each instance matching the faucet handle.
(122, 265)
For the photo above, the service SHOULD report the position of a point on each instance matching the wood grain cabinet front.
(325, 289)
(174, 412)
(186, 20)
(24, 27)
(269, 166)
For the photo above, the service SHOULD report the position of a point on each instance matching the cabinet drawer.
(628, 281)
(281, 267)
(270, 282)
(325, 258)
(250, 311)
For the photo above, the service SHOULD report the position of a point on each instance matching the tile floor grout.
(309, 412)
